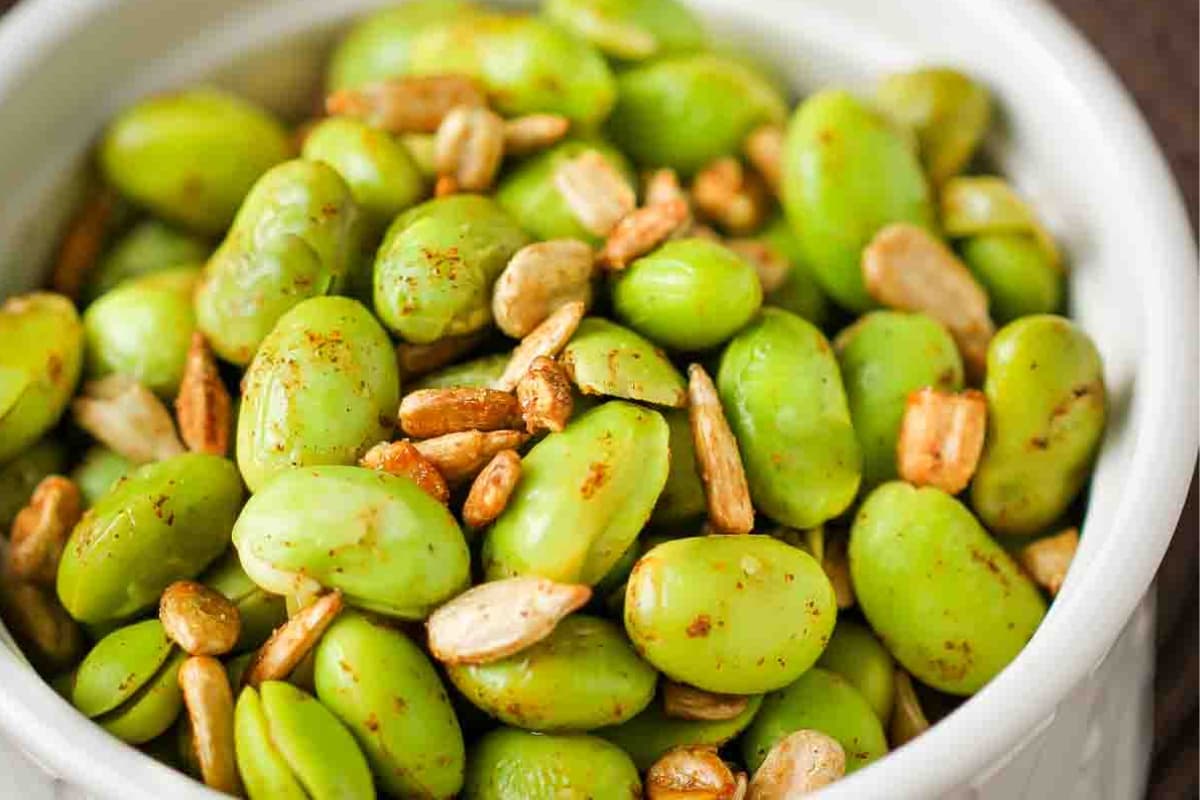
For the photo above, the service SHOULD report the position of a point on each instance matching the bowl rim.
(1017, 703)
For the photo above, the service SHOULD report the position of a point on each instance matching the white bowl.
(1070, 138)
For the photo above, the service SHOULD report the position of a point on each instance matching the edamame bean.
(630, 30)
(148, 247)
(1019, 277)
(508, 764)
(652, 733)
(605, 359)
(98, 472)
(860, 658)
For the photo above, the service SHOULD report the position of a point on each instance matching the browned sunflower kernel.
(544, 395)
(941, 438)
(691, 772)
(420, 359)
(491, 489)
(730, 197)
(547, 339)
(798, 764)
(1047, 560)
(126, 416)
(681, 701)
(445, 185)
(403, 458)
(469, 147)
(763, 148)
(292, 640)
(494, 620)
(908, 720)
(717, 457)
(641, 231)
(203, 406)
(416, 104)
(47, 633)
(837, 568)
(533, 132)
(209, 701)
(40, 530)
(662, 186)
(427, 413)
(80, 246)
(200, 620)
(907, 268)
(771, 265)
(460, 456)
(743, 786)
(595, 191)
(539, 279)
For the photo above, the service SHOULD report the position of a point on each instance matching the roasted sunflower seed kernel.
(771, 265)
(798, 764)
(209, 701)
(40, 530)
(491, 489)
(681, 701)
(403, 458)
(545, 397)
(1047, 560)
(662, 186)
(941, 438)
(427, 413)
(534, 132)
(907, 268)
(595, 191)
(717, 457)
(691, 772)
(203, 406)
(835, 562)
(731, 198)
(547, 339)
(497, 619)
(200, 620)
(908, 720)
(763, 148)
(47, 633)
(292, 641)
(420, 359)
(469, 147)
(539, 279)
(126, 416)
(80, 247)
(445, 185)
(460, 456)
(643, 230)
(415, 104)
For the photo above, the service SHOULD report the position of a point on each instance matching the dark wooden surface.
(1152, 45)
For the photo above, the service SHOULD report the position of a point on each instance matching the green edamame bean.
(605, 359)
(975, 609)
(382, 541)
(1046, 413)
(290, 747)
(649, 735)
(584, 675)
(800, 292)
(684, 111)
(260, 612)
(143, 328)
(98, 472)
(379, 46)
(682, 498)
(478, 372)
(148, 247)
(836, 151)
(584, 495)
(128, 683)
(689, 294)
(822, 701)
(39, 366)
(860, 658)
(631, 30)
(509, 764)
(1019, 277)
(380, 684)
(526, 64)
(192, 156)
(166, 522)
(949, 112)
(884, 356)
(298, 235)
(322, 389)
(436, 266)
(529, 194)
(379, 170)
(782, 393)
(736, 614)
(21, 475)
